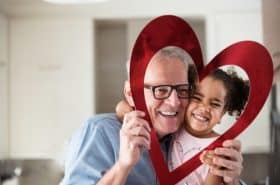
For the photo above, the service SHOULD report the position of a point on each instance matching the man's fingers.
(134, 119)
(135, 130)
(129, 117)
(236, 144)
(230, 153)
(226, 174)
(141, 132)
(225, 163)
(139, 141)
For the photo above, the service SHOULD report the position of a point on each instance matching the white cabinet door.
(51, 83)
(4, 136)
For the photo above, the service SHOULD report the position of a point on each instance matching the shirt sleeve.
(91, 153)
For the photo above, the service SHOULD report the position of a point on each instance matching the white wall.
(4, 127)
(226, 28)
(51, 83)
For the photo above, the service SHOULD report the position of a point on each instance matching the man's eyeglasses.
(161, 92)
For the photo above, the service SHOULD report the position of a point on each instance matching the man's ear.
(128, 94)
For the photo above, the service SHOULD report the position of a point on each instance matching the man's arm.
(93, 150)
(103, 153)
(117, 175)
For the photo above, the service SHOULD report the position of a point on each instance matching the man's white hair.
(168, 52)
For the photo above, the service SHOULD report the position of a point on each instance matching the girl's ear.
(128, 94)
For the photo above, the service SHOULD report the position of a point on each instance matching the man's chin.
(170, 128)
(166, 125)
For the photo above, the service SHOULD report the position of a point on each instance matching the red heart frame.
(171, 30)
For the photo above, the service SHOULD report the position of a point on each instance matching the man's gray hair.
(169, 52)
(174, 52)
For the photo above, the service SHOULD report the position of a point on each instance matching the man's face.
(167, 114)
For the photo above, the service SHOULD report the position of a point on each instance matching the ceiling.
(11, 6)
(16, 2)
(7, 5)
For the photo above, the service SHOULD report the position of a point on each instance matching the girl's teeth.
(201, 118)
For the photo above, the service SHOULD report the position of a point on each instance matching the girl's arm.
(121, 109)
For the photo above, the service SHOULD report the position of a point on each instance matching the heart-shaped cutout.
(170, 30)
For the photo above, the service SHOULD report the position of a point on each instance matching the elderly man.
(108, 152)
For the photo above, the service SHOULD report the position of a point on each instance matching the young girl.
(219, 93)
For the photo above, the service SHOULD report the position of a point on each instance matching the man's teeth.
(168, 113)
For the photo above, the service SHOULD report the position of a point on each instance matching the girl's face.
(206, 108)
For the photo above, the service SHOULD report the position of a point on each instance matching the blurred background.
(61, 63)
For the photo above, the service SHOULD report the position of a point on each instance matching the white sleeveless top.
(183, 147)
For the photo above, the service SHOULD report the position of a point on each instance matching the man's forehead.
(166, 60)
(166, 64)
(168, 71)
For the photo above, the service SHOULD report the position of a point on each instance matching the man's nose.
(173, 99)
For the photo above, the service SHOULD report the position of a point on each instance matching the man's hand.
(134, 137)
(226, 161)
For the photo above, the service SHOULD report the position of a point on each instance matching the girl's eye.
(196, 98)
(215, 105)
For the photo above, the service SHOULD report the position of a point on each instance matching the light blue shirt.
(94, 149)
